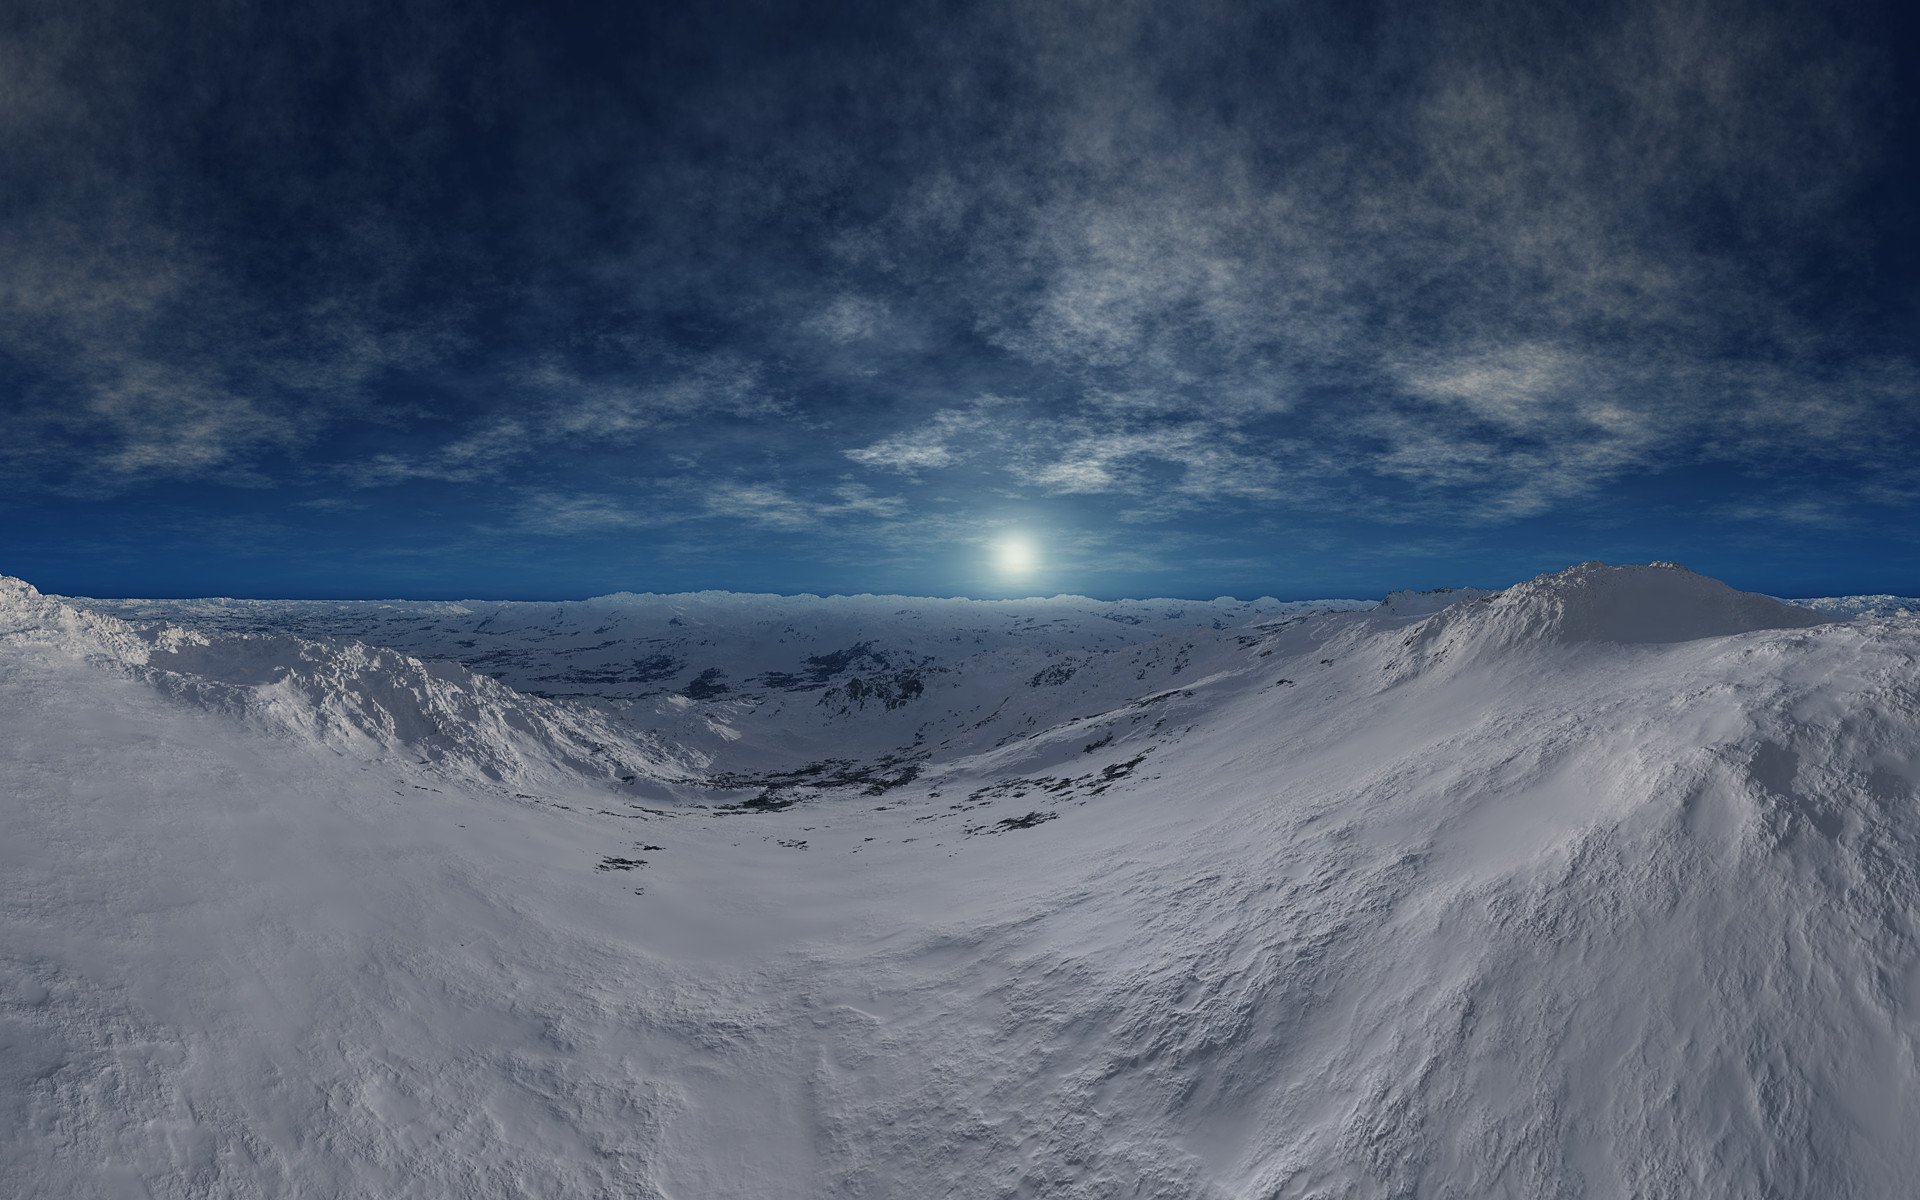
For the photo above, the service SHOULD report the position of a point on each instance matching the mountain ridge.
(1318, 904)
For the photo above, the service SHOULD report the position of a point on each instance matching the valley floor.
(1606, 885)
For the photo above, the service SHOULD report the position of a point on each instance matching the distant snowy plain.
(1605, 885)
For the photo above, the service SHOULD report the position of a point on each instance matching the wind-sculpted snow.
(361, 701)
(1607, 885)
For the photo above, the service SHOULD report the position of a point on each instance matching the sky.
(1321, 297)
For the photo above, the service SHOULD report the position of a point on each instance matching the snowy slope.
(767, 685)
(364, 702)
(1864, 606)
(1604, 885)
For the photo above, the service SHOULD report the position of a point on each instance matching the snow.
(1423, 604)
(1603, 885)
(1664, 602)
(1863, 606)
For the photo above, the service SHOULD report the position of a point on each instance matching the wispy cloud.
(1490, 269)
(1456, 263)
(137, 345)
(774, 507)
(556, 410)
(685, 500)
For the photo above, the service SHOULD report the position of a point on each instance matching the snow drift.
(1600, 886)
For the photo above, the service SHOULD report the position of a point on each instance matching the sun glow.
(1016, 555)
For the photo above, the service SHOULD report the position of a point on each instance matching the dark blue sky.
(1301, 298)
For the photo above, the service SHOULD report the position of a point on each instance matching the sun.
(1016, 555)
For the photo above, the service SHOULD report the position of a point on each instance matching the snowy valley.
(1604, 885)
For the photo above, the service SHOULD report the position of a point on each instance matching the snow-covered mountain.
(769, 682)
(1864, 606)
(366, 703)
(1602, 885)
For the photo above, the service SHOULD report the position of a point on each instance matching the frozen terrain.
(1605, 885)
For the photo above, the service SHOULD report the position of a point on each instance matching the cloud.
(1105, 445)
(714, 385)
(951, 436)
(1455, 262)
(139, 340)
(678, 501)
(1816, 512)
(557, 410)
(771, 506)
(1504, 262)
(567, 514)
(848, 319)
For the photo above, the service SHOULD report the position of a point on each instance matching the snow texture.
(1605, 885)
(1864, 606)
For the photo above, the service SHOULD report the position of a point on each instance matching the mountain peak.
(1659, 603)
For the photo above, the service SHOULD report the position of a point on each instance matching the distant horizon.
(892, 595)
